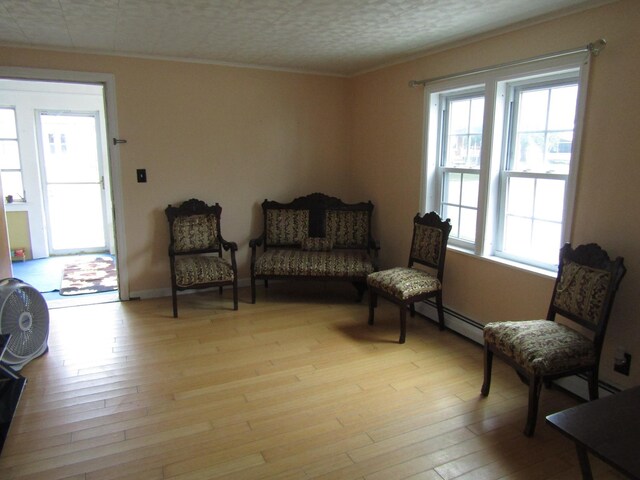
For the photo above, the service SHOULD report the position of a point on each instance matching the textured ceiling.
(341, 37)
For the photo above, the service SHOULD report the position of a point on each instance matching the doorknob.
(116, 141)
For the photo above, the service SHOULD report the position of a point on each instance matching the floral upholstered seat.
(195, 250)
(403, 282)
(541, 347)
(196, 270)
(406, 285)
(314, 264)
(543, 350)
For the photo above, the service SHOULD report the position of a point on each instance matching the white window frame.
(21, 198)
(441, 170)
(495, 83)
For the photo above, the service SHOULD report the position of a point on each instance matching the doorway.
(69, 198)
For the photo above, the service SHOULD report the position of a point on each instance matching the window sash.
(513, 117)
(530, 238)
(10, 168)
(530, 220)
(462, 211)
(459, 201)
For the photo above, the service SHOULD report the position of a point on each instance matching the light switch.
(141, 174)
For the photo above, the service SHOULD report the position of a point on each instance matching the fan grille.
(25, 316)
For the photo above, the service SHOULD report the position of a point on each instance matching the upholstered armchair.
(543, 350)
(195, 250)
(405, 286)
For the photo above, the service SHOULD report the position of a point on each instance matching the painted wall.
(387, 155)
(235, 136)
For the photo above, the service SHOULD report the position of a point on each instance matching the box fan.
(23, 315)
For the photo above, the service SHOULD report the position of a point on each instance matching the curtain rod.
(593, 48)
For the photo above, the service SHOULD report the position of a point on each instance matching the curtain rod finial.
(596, 47)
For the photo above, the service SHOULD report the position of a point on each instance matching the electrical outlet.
(622, 363)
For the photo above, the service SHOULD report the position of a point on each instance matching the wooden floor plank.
(295, 386)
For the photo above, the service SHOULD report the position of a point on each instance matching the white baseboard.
(453, 321)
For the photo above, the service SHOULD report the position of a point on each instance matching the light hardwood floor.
(296, 386)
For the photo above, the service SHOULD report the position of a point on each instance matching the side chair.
(543, 350)
(195, 250)
(405, 286)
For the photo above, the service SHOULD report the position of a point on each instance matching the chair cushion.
(542, 347)
(404, 283)
(582, 291)
(337, 263)
(199, 269)
(427, 244)
(316, 244)
(348, 228)
(195, 232)
(286, 226)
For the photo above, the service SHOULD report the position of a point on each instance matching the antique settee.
(315, 237)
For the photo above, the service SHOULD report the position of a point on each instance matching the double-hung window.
(536, 170)
(501, 157)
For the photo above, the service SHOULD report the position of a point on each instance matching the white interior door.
(73, 185)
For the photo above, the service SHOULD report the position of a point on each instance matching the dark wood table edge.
(583, 449)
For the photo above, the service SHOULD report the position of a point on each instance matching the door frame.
(113, 160)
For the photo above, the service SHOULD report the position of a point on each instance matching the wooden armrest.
(256, 242)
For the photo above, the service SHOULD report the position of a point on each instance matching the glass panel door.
(73, 182)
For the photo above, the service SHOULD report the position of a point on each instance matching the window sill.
(507, 263)
(15, 206)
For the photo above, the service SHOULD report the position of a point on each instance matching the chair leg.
(253, 289)
(174, 298)
(488, 362)
(373, 301)
(535, 383)
(440, 310)
(412, 309)
(235, 294)
(593, 384)
(403, 323)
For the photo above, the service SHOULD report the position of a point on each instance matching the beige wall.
(229, 135)
(386, 160)
(238, 136)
